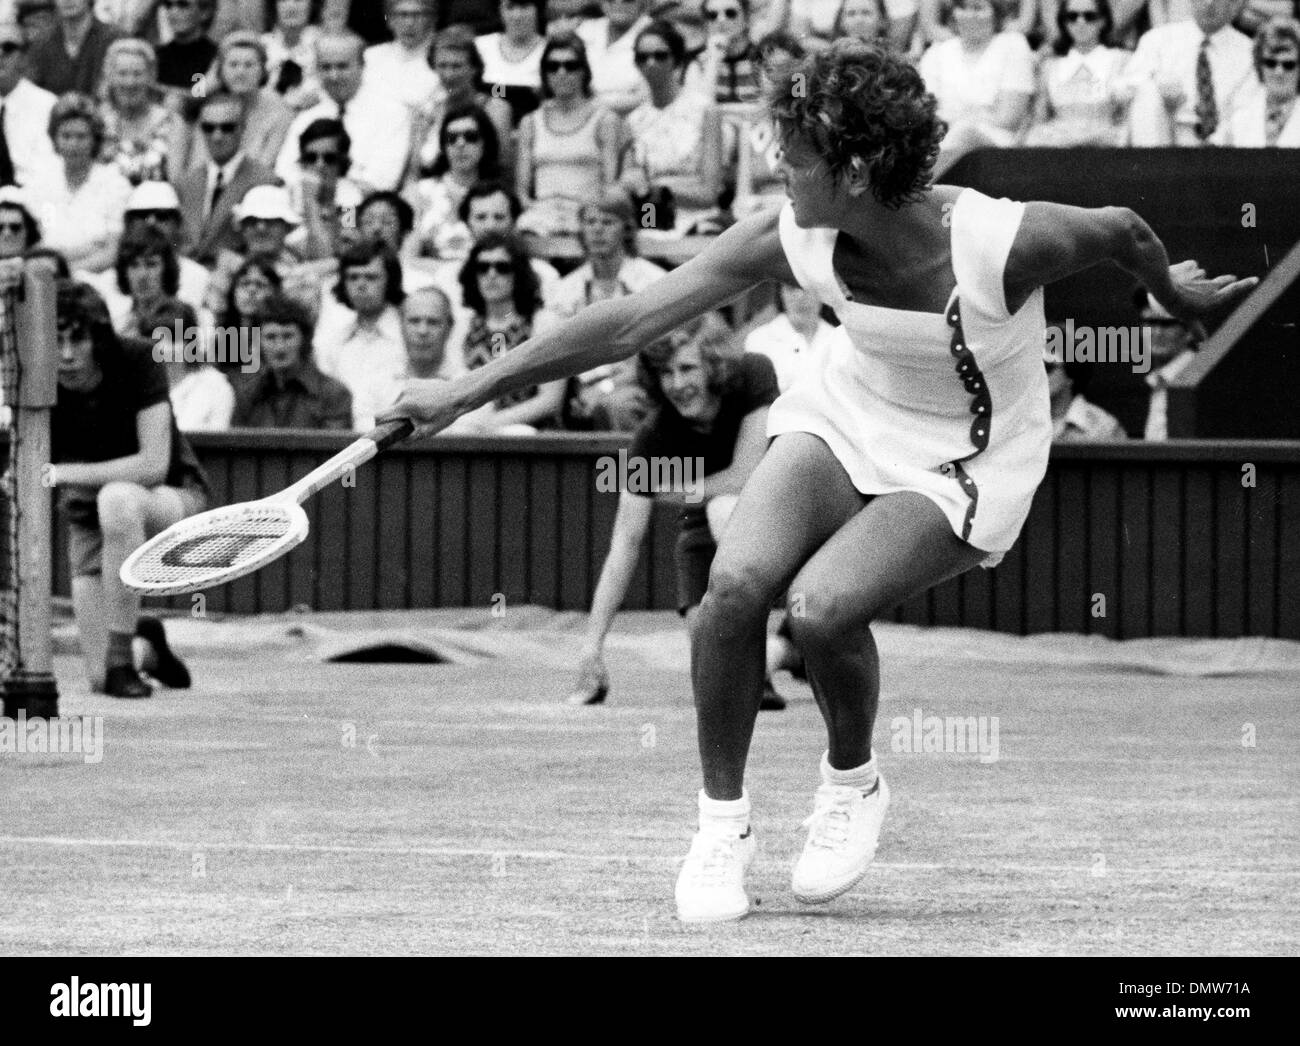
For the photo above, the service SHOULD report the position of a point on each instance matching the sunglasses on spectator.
(646, 57)
(562, 66)
(1287, 64)
(12, 227)
(311, 159)
(11, 47)
(466, 137)
(225, 127)
(1082, 16)
(729, 13)
(501, 268)
(156, 214)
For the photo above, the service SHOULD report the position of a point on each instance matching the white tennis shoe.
(842, 835)
(711, 885)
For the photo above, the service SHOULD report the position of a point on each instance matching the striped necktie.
(1207, 111)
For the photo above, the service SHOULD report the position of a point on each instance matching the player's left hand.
(1199, 294)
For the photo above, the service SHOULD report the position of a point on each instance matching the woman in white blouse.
(80, 202)
(983, 79)
(1083, 96)
(512, 60)
(1272, 117)
(142, 136)
(291, 51)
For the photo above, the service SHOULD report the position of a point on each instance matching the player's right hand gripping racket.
(223, 544)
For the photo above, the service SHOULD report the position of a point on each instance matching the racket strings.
(218, 546)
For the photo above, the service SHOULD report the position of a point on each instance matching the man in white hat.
(265, 217)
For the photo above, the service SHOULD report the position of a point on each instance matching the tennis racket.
(226, 543)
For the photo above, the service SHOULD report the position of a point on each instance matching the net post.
(32, 687)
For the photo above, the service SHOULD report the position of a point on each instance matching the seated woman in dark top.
(289, 392)
(124, 473)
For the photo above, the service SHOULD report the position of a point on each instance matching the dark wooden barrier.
(1169, 536)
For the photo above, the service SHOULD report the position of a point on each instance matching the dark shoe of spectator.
(124, 681)
(165, 666)
(772, 701)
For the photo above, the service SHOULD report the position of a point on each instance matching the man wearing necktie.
(1190, 77)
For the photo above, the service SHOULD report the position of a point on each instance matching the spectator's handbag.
(657, 209)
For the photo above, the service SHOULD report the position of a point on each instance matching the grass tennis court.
(1123, 815)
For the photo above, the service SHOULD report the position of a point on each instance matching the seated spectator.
(202, 399)
(676, 136)
(79, 200)
(798, 340)
(359, 340)
(72, 58)
(565, 16)
(210, 192)
(402, 67)
(38, 19)
(184, 60)
(983, 80)
(491, 207)
(607, 397)
(378, 126)
(291, 51)
(865, 20)
(1074, 419)
(147, 273)
(610, 41)
(460, 68)
(1172, 349)
(569, 148)
(265, 219)
(24, 112)
(1083, 95)
(501, 293)
(1271, 117)
(124, 472)
(512, 58)
(323, 194)
(251, 288)
(731, 59)
(142, 136)
(1174, 102)
(468, 153)
(241, 70)
(387, 218)
(289, 392)
(427, 322)
(155, 205)
(19, 231)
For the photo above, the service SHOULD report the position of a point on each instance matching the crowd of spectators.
(372, 190)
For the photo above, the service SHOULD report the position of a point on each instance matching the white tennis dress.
(952, 406)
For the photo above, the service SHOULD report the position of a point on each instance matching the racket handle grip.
(390, 432)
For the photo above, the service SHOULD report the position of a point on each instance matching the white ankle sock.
(727, 816)
(861, 777)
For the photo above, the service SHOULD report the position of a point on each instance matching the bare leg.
(898, 546)
(92, 629)
(797, 497)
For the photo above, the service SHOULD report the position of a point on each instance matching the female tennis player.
(912, 459)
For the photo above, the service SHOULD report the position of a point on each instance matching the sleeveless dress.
(953, 406)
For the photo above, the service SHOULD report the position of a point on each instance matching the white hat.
(13, 196)
(153, 196)
(270, 202)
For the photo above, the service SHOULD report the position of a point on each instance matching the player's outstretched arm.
(747, 253)
(1055, 241)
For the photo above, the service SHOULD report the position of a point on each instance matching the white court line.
(560, 855)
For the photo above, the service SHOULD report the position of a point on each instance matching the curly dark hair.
(1063, 42)
(362, 254)
(489, 166)
(527, 292)
(148, 242)
(230, 316)
(80, 309)
(859, 103)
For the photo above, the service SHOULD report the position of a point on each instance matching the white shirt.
(615, 78)
(792, 354)
(203, 401)
(405, 76)
(1157, 426)
(967, 86)
(1169, 53)
(573, 293)
(27, 129)
(192, 290)
(369, 360)
(1246, 127)
(379, 127)
(80, 222)
(497, 69)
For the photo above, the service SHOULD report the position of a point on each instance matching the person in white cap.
(265, 217)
